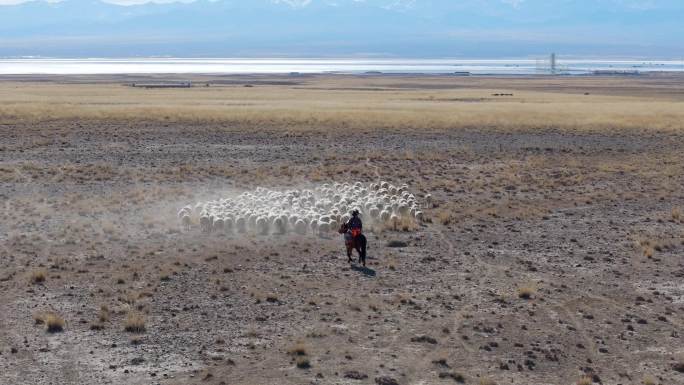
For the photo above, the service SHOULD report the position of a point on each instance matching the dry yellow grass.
(299, 349)
(527, 291)
(53, 323)
(313, 107)
(303, 363)
(134, 323)
(38, 276)
(103, 314)
(392, 263)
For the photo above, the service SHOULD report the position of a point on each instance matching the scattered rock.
(386, 381)
(397, 244)
(424, 338)
(355, 375)
(458, 377)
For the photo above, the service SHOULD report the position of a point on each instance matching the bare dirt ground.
(554, 253)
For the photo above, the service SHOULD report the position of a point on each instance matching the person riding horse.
(354, 238)
(354, 224)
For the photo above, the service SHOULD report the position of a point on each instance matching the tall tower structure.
(553, 63)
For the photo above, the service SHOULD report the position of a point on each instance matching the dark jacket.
(355, 223)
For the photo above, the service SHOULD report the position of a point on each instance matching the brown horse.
(358, 242)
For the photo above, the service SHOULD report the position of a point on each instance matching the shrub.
(38, 276)
(303, 363)
(54, 323)
(298, 350)
(135, 323)
(526, 292)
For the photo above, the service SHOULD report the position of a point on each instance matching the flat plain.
(553, 252)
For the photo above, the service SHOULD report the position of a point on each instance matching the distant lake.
(311, 66)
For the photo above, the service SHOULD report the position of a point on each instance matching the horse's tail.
(362, 240)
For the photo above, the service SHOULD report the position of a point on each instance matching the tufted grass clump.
(54, 323)
(526, 291)
(303, 363)
(134, 323)
(38, 276)
(299, 349)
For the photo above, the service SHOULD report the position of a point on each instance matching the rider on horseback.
(354, 238)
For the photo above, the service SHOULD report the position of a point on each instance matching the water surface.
(27, 66)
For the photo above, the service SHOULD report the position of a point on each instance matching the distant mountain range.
(407, 28)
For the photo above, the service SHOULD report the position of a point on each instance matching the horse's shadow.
(367, 271)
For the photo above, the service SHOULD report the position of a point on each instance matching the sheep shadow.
(367, 271)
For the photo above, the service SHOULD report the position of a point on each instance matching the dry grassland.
(377, 103)
(552, 253)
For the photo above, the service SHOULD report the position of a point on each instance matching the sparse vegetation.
(103, 314)
(135, 322)
(54, 323)
(533, 259)
(456, 376)
(303, 363)
(527, 291)
(294, 108)
(444, 217)
(38, 276)
(299, 349)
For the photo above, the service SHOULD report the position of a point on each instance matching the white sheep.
(300, 227)
(323, 228)
(184, 211)
(241, 224)
(428, 200)
(229, 225)
(218, 224)
(262, 225)
(321, 209)
(186, 221)
(205, 223)
(279, 226)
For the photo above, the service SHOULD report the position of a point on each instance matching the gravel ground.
(549, 258)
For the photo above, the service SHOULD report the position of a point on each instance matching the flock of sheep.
(319, 211)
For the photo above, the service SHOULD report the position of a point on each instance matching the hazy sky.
(410, 28)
